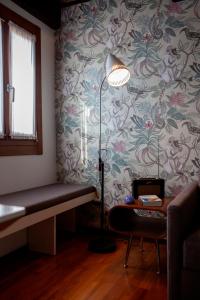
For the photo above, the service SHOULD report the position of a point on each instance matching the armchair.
(183, 245)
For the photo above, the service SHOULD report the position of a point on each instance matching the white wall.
(22, 172)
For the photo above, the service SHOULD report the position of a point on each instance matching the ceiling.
(48, 11)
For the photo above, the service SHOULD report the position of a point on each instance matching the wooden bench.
(36, 209)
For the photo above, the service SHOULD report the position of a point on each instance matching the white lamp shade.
(116, 72)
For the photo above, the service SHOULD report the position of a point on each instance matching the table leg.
(42, 236)
(128, 250)
(158, 256)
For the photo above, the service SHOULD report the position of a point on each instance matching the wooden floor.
(77, 274)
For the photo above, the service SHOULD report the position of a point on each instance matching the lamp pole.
(102, 244)
(101, 162)
(117, 75)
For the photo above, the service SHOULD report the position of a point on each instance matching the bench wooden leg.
(42, 236)
(67, 220)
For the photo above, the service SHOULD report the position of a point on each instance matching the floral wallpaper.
(150, 126)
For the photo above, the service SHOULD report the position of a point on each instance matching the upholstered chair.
(183, 245)
(124, 220)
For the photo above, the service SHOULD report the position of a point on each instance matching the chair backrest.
(120, 218)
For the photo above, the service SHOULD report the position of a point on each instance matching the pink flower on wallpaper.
(119, 146)
(147, 37)
(70, 35)
(176, 99)
(72, 110)
(174, 8)
(148, 124)
(93, 10)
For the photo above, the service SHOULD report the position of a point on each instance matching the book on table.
(150, 200)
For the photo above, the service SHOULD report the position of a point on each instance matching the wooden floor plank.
(77, 274)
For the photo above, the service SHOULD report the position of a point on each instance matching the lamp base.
(102, 245)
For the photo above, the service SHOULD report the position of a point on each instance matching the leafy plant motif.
(146, 50)
(157, 112)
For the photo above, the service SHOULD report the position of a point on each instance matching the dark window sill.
(20, 147)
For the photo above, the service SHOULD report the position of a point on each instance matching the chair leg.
(142, 244)
(128, 250)
(158, 256)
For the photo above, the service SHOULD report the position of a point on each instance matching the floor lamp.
(117, 74)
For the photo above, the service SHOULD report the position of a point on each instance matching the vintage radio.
(148, 186)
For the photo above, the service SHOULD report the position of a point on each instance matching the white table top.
(9, 212)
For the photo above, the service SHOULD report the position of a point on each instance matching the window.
(20, 85)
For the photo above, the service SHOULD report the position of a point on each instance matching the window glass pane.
(1, 84)
(22, 90)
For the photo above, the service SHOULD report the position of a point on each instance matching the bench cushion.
(45, 196)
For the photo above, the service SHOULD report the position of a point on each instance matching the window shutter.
(22, 83)
(1, 84)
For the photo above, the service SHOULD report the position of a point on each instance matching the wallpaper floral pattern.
(151, 126)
